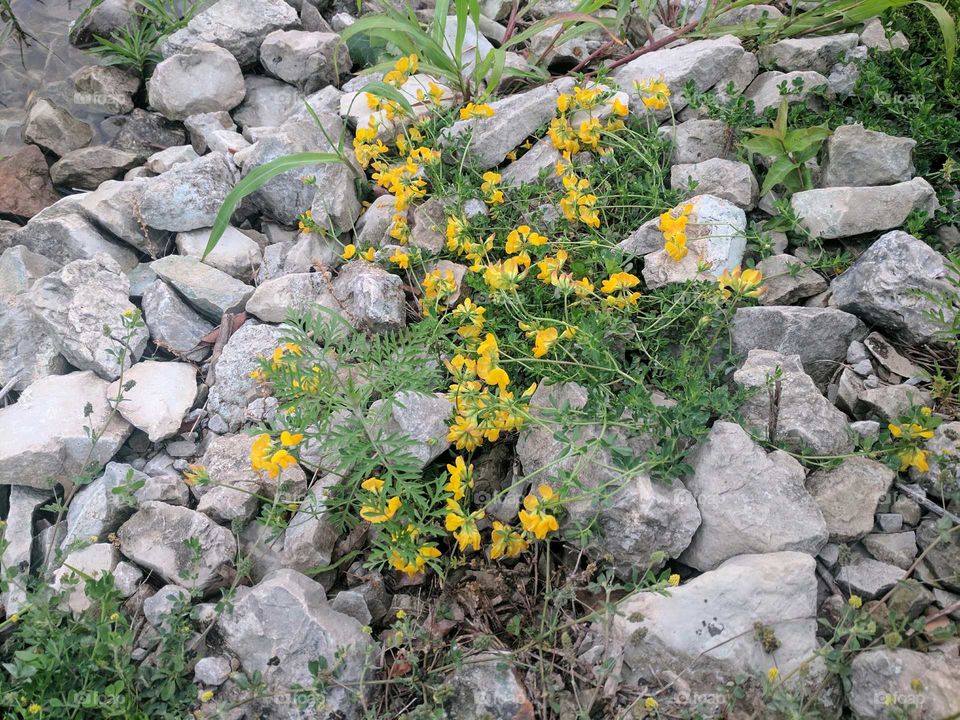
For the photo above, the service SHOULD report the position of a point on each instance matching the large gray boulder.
(488, 688)
(632, 517)
(697, 140)
(238, 26)
(77, 303)
(54, 129)
(422, 419)
(848, 496)
(837, 212)
(741, 492)
(787, 280)
(279, 627)
(708, 624)
(114, 209)
(879, 673)
(297, 293)
(726, 179)
(885, 287)
(156, 538)
(371, 297)
(235, 252)
(800, 416)
(203, 78)
(90, 167)
(44, 435)
(858, 157)
(189, 196)
(819, 54)
(162, 395)
(820, 336)
(309, 60)
(234, 389)
(269, 103)
(173, 325)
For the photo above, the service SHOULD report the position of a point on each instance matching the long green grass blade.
(948, 28)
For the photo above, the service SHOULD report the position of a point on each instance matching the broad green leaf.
(800, 139)
(763, 145)
(777, 173)
(256, 180)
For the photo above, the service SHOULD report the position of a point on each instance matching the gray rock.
(741, 503)
(160, 608)
(884, 286)
(841, 212)
(235, 253)
(143, 133)
(371, 297)
(286, 616)
(715, 237)
(874, 36)
(336, 206)
(103, 506)
(889, 523)
(709, 622)
(639, 517)
(164, 488)
(352, 604)
(764, 91)
(163, 394)
(856, 157)
(488, 688)
(203, 126)
(820, 336)
(887, 356)
(848, 496)
(517, 116)
(106, 89)
(898, 549)
(43, 436)
(869, 578)
(844, 75)
(173, 325)
(808, 53)
(788, 280)
(804, 419)
(170, 157)
(203, 78)
(54, 129)
(942, 555)
(70, 579)
(541, 158)
(62, 233)
(881, 673)
(76, 304)
(189, 196)
(311, 535)
(24, 503)
(942, 478)
(697, 140)
(127, 578)
(309, 60)
(156, 536)
(888, 402)
(428, 226)
(114, 207)
(644, 240)
(268, 103)
(705, 62)
(725, 179)
(90, 167)
(422, 419)
(298, 293)
(212, 671)
(373, 226)
(103, 19)
(234, 389)
(207, 289)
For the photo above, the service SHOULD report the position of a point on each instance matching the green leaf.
(780, 124)
(777, 173)
(948, 28)
(802, 138)
(256, 180)
(763, 145)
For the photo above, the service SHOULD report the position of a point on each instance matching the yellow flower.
(563, 136)
(586, 98)
(465, 433)
(372, 484)
(263, 456)
(472, 111)
(551, 265)
(654, 93)
(400, 229)
(370, 254)
(14, 618)
(435, 93)
(577, 204)
(913, 457)
(855, 601)
(676, 247)
(535, 517)
(290, 439)
(589, 133)
(381, 512)
(349, 251)
(469, 313)
(618, 289)
(461, 476)
(544, 340)
(488, 359)
(673, 580)
(463, 525)
(772, 674)
(522, 239)
(492, 194)
(35, 708)
(437, 285)
(400, 258)
(206, 696)
(742, 283)
(650, 704)
(504, 275)
(505, 541)
(672, 224)
(910, 432)
(563, 102)
(619, 108)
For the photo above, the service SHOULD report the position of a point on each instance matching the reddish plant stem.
(511, 22)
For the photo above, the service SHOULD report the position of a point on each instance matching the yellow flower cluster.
(654, 94)
(405, 181)
(544, 338)
(471, 111)
(568, 135)
(409, 555)
(673, 225)
(265, 456)
(537, 516)
(911, 435)
(402, 70)
(377, 508)
(578, 204)
(438, 285)
(492, 194)
(741, 283)
(619, 291)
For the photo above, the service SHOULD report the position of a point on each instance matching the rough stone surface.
(24, 504)
(203, 78)
(640, 517)
(371, 297)
(90, 167)
(286, 616)
(848, 496)
(715, 236)
(309, 60)
(163, 394)
(75, 304)
(834, 212)
(234, 389)
(857, 157)
(155, 539)
(726, 179)
(742, 503)
(170, 157)
(235, 253)
(96, 510)
(275, 299)
(54, 129)
(143, 133)
(943, 557)
(943, 476)
(239, 26)
(113, 208)
(709, 621)
(764, 91)
(104, 88)
(697, 140)
(820, 336)
(881, 672)
(269, 102)
(805, 419)
(897, 548)
(882, 287)
(874, 36)
(158, 608)
(787, 280)
(25, 187)
(189, 196)
(212, 670)
(869, 578)
(488, 688)
(423, 419)
(207, 289)
(173, 325)
(93, 561)
(809, 53)
(888, 402)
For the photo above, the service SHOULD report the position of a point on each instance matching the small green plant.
(790, 150)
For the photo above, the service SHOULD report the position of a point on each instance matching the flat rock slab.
(207, 289)
(162, 395)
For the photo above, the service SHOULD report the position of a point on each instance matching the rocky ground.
(105, 293)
